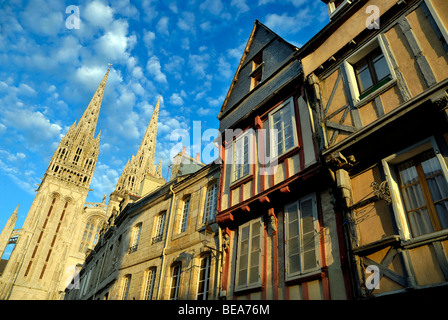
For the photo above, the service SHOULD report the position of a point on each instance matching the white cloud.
(176, 99)
(285, 24)
(97, 14)
(162, 26)
(154, 68)
(212, 6)
(104, 180)
(148, 38)
(241, 5)
(199, 64)
(186, 22)
(35, 126)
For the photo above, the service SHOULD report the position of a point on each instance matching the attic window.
(257, 70)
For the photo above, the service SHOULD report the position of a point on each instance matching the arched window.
(91, 234)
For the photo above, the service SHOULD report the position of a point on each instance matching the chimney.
(198, 157)
(184, 150)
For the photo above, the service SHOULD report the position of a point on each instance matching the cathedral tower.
(46, 253)
(140, 175)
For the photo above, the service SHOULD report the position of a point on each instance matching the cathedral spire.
(90, 117)
(75, 158)
(142, 163)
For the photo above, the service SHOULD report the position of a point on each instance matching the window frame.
(333, 10)
(349, 71)
(125, 286)
(159, 227)
(183, 221)
(209, 217)
(206, 289)
(135, 237)
(249, 285)
(288, 103)
(248, 134)
(177, 284)
(148, 288)
(389, 165)
(302, 271)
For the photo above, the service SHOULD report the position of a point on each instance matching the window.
(204, 278)
(136, 231)
(301, 237)
(424, 190)
(372, 72)
(175, 278)
(257, 70)
(149, 284)
(160, 222)
(336, 6)
(91, 234)
(210, 203)
(125, 284)
(248, 266)
(283, 135)
(184, 215)
(242, 156)
(368, 70)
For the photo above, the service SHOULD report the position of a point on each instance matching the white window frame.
(256, 284)
(210, 207)
(349, 70)
(183, 222)
(389, 164)
(176, 285)
(150, 279)
(302, 271)
(135, 237)
(159, 226)
(273, 137)
(125, 286)
(206, 279)
(238, 152)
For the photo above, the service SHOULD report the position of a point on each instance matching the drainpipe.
(168, 230)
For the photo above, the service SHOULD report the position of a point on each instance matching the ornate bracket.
(382, 191)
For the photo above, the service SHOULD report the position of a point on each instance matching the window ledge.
(247, 290)
(311, 275)
(378, 91)
(425, 239)
(235, 184)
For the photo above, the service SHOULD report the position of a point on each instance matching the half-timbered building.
(378, 80)
(282, 237)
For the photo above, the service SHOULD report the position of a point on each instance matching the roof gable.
(260, 39)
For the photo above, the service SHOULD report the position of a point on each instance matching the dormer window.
(335, 6)
(257, 70)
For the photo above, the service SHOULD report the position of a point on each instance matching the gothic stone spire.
(143, 162)
(75, 158)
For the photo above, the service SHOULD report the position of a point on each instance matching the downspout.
(162, 268)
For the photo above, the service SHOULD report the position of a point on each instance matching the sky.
(185, 51)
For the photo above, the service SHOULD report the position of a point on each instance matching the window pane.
(308, 240)
(420, 222)
(364, 77)
(381, 67)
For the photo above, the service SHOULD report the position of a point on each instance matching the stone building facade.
(164, 246)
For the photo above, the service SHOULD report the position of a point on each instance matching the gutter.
(162, 265)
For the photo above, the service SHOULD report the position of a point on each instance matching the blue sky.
(185, 51)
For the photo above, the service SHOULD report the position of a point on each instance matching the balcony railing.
(157, 238)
